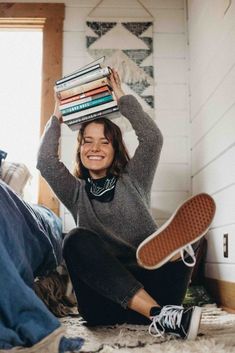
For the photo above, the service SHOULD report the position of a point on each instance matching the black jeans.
(104, 285)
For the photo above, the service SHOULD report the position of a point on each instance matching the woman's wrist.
(58, 115)
(119, 94)
(60, 120)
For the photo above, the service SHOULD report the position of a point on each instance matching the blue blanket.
(30, 245)
(32, 233)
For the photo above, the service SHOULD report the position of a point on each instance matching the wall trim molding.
(222, 291)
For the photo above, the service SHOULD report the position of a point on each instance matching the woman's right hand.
(57, 112)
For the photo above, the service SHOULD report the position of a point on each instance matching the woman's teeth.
(98, 158)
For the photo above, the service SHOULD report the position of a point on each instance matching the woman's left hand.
(116, 84)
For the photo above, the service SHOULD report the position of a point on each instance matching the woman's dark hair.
(113, 134)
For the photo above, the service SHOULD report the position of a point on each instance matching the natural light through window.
(20, 97)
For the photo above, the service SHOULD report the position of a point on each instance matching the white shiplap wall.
(172, 182)
(211, 30)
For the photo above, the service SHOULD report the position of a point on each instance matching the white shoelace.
(189, 250)
(170, 316)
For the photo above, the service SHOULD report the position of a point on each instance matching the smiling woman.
(110, 199)
(100, 143)
(101, 156)
(96, 151)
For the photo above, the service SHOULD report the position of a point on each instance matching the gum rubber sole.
(187, 225)
(194, 323)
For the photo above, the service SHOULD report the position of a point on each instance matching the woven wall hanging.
(127, 44)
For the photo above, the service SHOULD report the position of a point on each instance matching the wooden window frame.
(49, 18)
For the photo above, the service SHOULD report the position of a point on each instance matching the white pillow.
(15, 175)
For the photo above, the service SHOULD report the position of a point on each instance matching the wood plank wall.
(212, 104)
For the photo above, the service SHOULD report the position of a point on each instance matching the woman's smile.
(97, 152)
(97, 158)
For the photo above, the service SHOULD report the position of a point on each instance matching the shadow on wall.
(160, 215)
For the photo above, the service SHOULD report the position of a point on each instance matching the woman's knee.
(76, 240)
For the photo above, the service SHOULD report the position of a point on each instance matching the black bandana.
(101, 189)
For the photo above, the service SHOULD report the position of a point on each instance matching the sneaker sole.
(194, 324)
(186, 226)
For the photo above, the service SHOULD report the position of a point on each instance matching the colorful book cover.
(84, 100)
(92, 103)
(78, 74)
(110, 113)
(90, 76)
(84, 69)
(86, 94)
(82, 89)
(90, 110)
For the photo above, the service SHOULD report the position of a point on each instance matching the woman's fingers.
(116, 84)
(116, 77)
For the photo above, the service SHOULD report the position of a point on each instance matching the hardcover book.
(110, 113)
(82, 89)
(89, 111)
(86, 94)
(84, 100)
(86, 105)
(77, 81)
(83, 70)
(89, 94)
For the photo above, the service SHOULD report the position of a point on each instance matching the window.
(20, 97)
(48, 18)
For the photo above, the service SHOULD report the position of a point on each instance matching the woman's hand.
(57, 112)
(116, 84)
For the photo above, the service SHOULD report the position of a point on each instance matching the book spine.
(90, 110)
(94, 75)
(83, 100)
(83, 88)
(94, 63)
(104, 89)
(74, 103)
(90, 104)
(92, 116)
(77, 74)
(110, 115)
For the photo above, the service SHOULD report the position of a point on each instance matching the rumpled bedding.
(32, 234)
(30, 246)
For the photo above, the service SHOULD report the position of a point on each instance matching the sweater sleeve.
(142, 166)
(62, 182)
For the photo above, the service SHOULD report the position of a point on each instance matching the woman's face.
(96, 151)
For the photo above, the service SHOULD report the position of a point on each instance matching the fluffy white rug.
(216, 335)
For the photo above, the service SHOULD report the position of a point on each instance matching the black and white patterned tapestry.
(128, 47)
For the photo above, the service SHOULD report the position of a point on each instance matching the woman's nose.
(95, 146)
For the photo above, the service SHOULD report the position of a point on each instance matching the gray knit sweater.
(126, 220)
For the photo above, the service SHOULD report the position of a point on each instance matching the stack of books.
(86, 94)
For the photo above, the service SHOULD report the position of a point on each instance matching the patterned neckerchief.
(101, 189)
